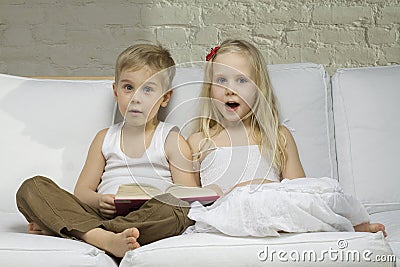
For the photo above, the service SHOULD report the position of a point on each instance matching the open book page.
(142, 191)
(191, 194)
(131, 196)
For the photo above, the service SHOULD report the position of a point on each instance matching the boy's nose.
(136, 98)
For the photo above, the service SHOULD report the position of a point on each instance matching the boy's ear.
(115, 91)
(166, 98)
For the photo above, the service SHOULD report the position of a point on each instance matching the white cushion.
(391, 220)
(205, 250)
(183, 107)
(366, 109)
(18, 248)
(47, 127)
(304, 94)
(37, 250)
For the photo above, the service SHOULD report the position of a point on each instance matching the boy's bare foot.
(115, 243)
(370, 227)
(34, 228)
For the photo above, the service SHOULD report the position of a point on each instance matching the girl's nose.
(229, 91)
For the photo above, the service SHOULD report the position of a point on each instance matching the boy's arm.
(179, 156)
(293, 168)
(90, 176)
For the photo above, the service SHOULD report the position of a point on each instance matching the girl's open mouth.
(232, 106)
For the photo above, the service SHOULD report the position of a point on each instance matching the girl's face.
(232, 86)
(140, 94)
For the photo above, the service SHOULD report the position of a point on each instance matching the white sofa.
(345, 128)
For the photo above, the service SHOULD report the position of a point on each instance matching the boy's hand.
(106, 206)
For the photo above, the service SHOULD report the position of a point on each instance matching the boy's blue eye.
(221, 80)
(147, 89)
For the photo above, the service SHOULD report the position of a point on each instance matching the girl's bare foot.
(370, 227)
(34, 228)
(115, 243)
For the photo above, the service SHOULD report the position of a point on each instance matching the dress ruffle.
(298, 205)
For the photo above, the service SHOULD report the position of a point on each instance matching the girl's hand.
(254, 181)
(106, 205)
(216, 188)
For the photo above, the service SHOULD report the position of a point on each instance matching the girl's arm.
(194, 143)
(179, 156)
(90, 176)
(293, 168)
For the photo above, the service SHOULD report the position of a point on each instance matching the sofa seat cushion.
(391, 220)
(204, 249)
(18, 248)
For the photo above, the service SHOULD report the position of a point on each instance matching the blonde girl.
(241, 149)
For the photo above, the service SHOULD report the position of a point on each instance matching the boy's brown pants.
(41, 201)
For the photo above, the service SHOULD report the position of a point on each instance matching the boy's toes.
(134, 245)
(135, 233)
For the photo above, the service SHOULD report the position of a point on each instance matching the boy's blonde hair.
(137, 56)
(264, 113)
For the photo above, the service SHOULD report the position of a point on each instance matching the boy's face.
(140, 94)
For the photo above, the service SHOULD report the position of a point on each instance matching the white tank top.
(152, 168)
(228, 166)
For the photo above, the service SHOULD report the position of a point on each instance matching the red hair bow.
(212, 53)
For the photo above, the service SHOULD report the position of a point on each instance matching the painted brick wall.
(83, 37)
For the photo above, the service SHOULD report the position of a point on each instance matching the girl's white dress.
(299, 205)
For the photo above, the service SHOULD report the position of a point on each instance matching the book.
(130, 197)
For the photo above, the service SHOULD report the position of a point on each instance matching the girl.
(242, 149)
(141, 149)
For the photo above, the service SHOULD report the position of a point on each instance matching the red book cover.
(132, 196)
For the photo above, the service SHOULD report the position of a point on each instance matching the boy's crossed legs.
(51, 210)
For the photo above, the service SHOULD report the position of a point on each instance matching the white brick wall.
(83, 37)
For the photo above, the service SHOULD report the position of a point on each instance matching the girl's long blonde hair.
(263, 116)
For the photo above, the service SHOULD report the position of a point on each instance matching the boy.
(141, 149)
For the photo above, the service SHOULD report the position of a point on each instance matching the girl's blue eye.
(147, 89)
(221, 80)
(242, 80)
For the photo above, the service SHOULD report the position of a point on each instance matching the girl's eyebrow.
(219, 74)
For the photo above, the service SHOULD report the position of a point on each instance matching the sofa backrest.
(304, 94)
(47, 127)
(366, 110)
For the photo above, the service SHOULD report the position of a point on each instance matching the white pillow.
(302, 249)
(47, 127)
(304, 94)
(366, 109)
(183, 107)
